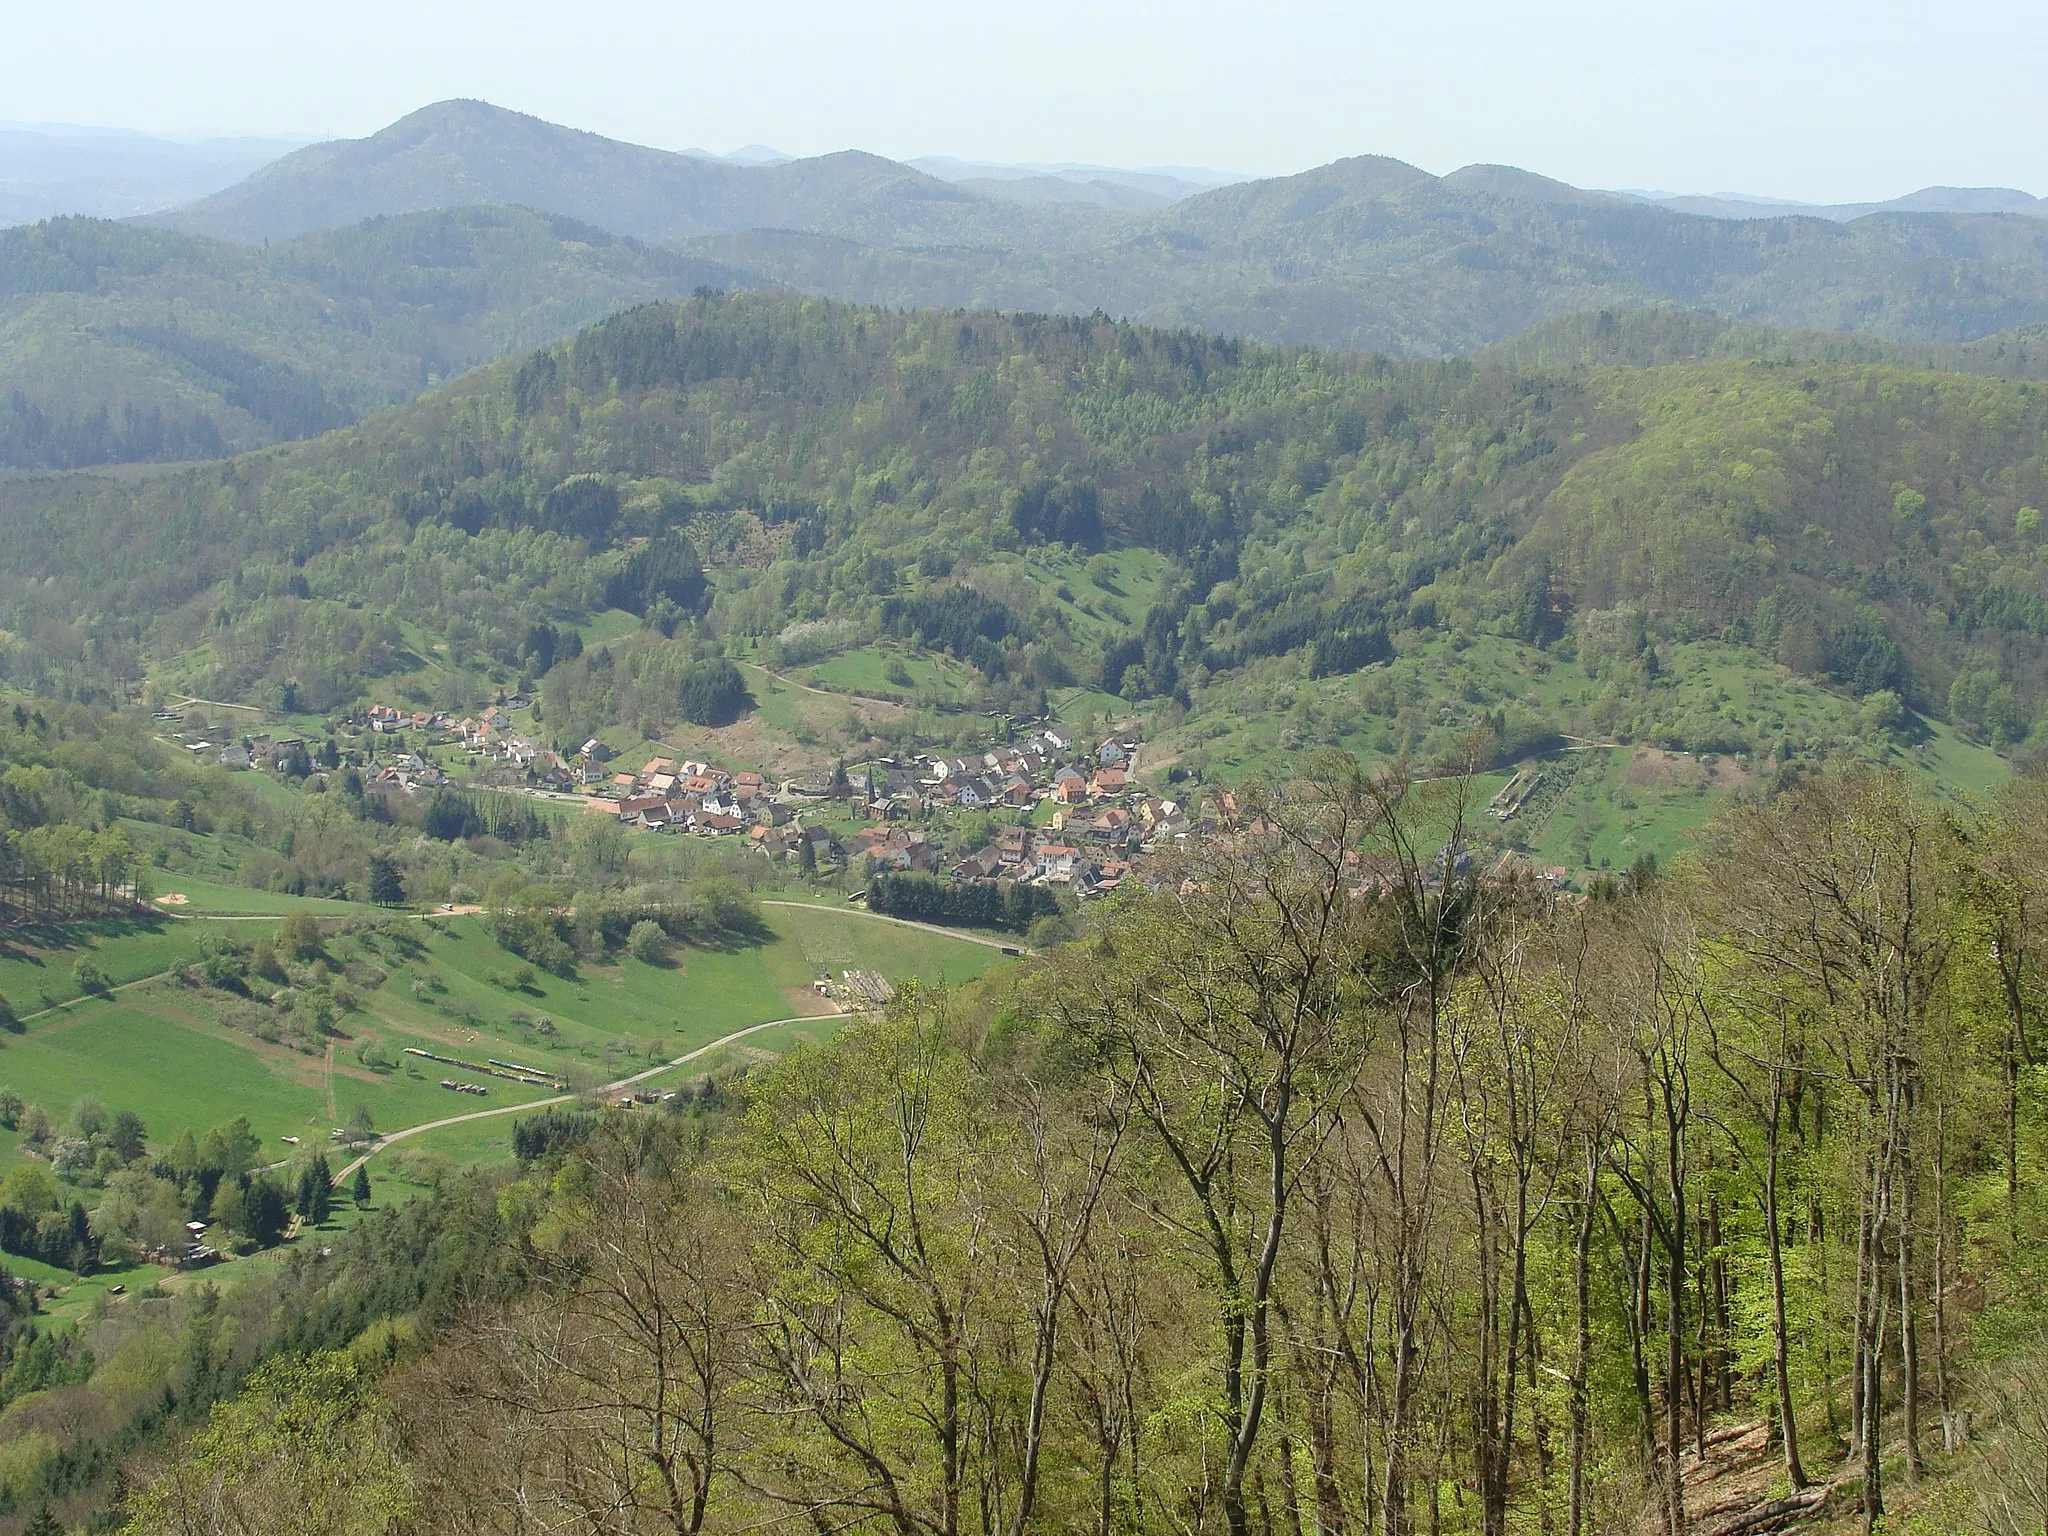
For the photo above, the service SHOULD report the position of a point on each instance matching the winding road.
(564, 1098)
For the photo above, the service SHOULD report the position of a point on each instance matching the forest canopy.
(730, 467)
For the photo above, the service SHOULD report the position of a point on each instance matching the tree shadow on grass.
(32, 942)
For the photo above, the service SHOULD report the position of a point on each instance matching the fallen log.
(1776, 1514)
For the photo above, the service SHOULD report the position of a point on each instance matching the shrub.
(298, 937)
(647, 943)
(815, 639)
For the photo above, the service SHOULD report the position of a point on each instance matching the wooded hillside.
(121, 345)
(1334, 1187)
(730, 466)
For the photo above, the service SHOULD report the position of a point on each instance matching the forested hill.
(1874, 528)
(461, 152)
(464, 232)
(1645, 338)
(125, 344)
(1365, 253)
(1373, 254)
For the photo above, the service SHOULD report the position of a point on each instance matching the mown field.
(169, 1052)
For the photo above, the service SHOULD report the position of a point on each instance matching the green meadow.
(163, 1050)
(894, 672)
(209, 897)
(37, 964)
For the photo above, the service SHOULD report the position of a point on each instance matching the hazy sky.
(1816, 99)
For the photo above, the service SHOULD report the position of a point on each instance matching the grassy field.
(1621, 803)
(76, 1297)
(490, 1140)
(1101, 596)
(880, 671)
(161, 1049)
(612, 624)
(36, 963)
(830, 939)
(164, 1057)
(205, 897)
(1076, 706)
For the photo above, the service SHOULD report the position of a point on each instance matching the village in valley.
(1058, 810)
(1044, 806)
(1069, 816)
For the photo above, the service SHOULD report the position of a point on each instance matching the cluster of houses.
(1100, 824)
(1101, 828)
(666, 795)
(1089, 855)
(408, 771)
(1043, 766)
(260, 751)
(488, 735)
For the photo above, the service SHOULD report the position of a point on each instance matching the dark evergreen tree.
(387, 888)
(315, 1198)
(267, 1212)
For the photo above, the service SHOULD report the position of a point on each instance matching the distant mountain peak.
(463, 151)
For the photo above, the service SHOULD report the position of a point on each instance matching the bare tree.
(1234, 1017)
(604, 1399)
(1840, 894)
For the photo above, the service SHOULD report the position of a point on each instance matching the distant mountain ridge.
(1372, 254)
(1102, 185)
(1926, 200)
(457, 153)
(465, 231)
(122, 344)
(1367, 253)
(48, 170)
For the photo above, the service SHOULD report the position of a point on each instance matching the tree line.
(972, 903)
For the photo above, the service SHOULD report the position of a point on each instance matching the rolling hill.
(126, 344)
(1366, 253)
(393, 262)
(50, 170)
(1375, 255)
(1926, 200)
(730, 469)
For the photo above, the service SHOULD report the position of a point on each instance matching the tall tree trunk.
(1909, 1336)
(1400, 1396)
(1870, 1356)
(1582, 1358)
(1951, 1439)
(1860, 1330)
(1781, 1364)
(1675, 1370)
